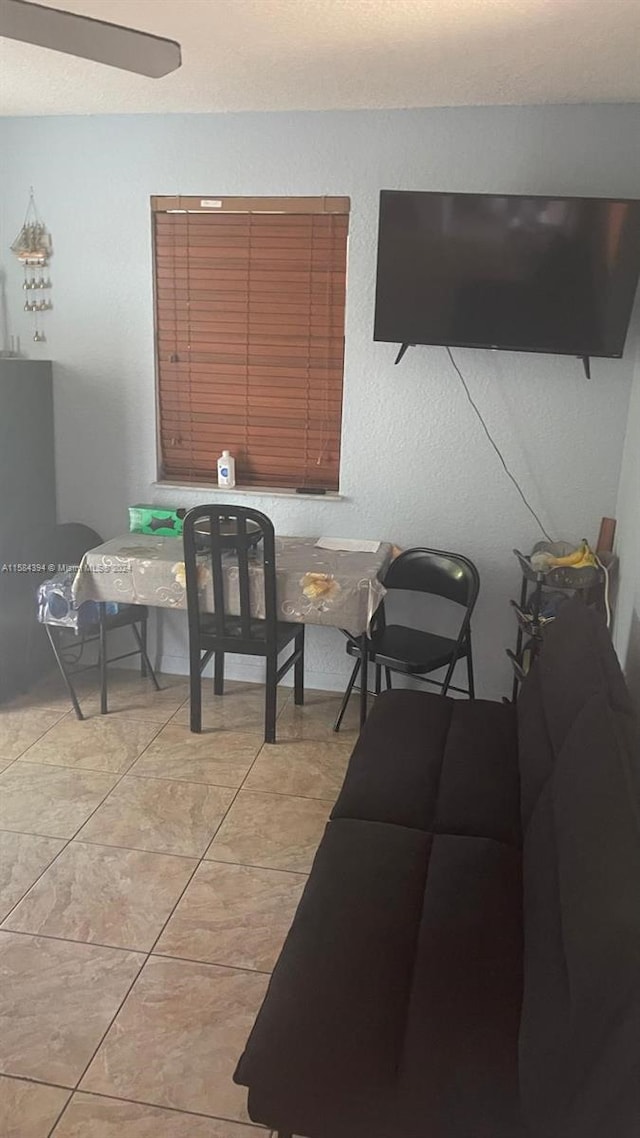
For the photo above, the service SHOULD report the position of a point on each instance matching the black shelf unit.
(536, 589)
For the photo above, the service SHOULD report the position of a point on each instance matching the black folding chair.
(70, 630)
(220, 538)
(409, 650)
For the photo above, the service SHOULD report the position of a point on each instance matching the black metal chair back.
(229, 533)
(447, 575)
(68, 543)
(64, 546)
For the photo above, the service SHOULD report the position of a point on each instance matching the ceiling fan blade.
(87, 38)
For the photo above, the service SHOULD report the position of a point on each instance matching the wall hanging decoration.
(33, 248)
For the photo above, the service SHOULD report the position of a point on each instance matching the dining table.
(331, 587)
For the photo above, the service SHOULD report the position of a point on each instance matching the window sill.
(249, 491)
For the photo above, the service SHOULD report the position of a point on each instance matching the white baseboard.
(235, 669)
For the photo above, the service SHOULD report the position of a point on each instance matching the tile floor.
(147, 881)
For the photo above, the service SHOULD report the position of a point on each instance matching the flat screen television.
(522, 273)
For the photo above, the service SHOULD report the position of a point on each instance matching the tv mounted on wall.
(517, 272)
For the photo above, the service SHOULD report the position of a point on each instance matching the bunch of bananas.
(582, 557)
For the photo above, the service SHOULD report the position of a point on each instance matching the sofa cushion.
(580, 1030)
(395, 1002)
(436, 764)
(337, 1000)
(458, 1073)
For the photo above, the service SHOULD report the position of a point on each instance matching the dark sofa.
(465, 960)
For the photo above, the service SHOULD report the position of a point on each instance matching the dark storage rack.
(540, 595)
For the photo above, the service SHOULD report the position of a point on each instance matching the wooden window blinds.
(250, 304)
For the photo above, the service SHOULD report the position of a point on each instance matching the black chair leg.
(195, 689)
(271, 700)
(143, 649)
(449, 676)
(218, 673)
(347, 695)
(63, 671)
(141, 640)
(25, 678)
(378, 678)
(472, 689)
(298, 670)
(364, 682)
(387, 676)
(102, 660)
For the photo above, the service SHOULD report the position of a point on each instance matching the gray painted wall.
(416, 467)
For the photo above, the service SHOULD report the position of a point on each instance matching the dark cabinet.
(27, 513)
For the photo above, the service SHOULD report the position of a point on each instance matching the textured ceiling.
(323, 54)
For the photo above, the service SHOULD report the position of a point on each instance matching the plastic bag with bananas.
(582, 557)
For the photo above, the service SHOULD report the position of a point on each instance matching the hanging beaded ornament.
(33, 248)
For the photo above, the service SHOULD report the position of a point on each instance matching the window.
(250, 301)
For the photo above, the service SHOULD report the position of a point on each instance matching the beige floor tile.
(315, 719)
(53, 801)
(311, 768)
(159, 815)
(277, 831)
(56, 1001)
(102, 744)
(23, 857)
(104, 895)
(178, 1038)
(28, 1110)
(131, 696)
(219, 758)
(88, 1116)
(19, 728)
(48, 693)
(241, 708)
(233, 914)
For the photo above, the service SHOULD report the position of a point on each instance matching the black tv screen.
(532, 274)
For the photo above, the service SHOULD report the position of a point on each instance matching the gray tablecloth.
(314, 586)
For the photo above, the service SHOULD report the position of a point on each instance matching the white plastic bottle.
(226, 470)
